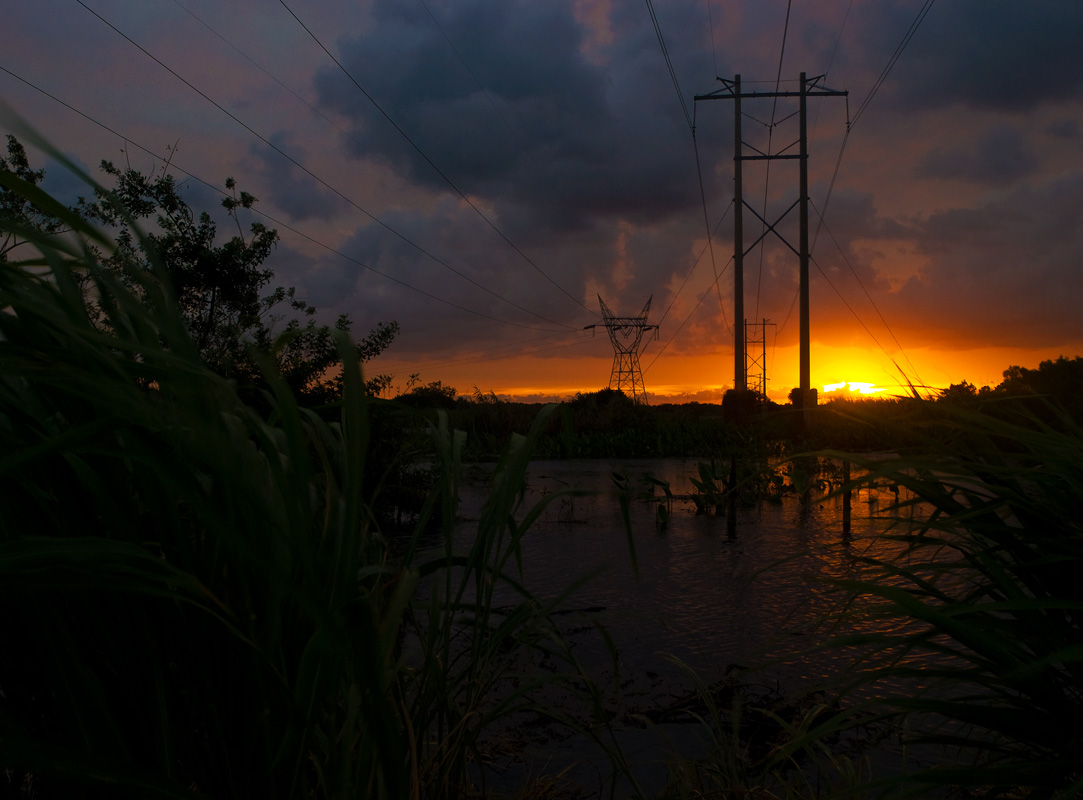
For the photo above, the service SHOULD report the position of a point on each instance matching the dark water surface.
(706, 596)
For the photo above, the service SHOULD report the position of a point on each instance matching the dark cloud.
(1065, 129)
(985, 54)
(998, 156)
(1001, 273)
(957, 206)
(546, 130)
(289, 188)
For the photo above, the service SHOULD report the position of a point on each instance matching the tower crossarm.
(626, 335)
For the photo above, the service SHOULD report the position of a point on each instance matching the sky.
(482, 171)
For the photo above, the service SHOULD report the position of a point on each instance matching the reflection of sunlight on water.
(702, 596)
(762, 597)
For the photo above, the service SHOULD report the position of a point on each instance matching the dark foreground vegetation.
(198, 597)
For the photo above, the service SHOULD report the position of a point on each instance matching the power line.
(380, 157)
(710, 237)
(263, 214)
(717, 276)
(894, 58)
(429, 161)
(483, 356)
(710, 26)
(257, 65)
(669, 65)
(922, 13)
(855, 316)
(691, 313)
(866, 291)
(781, 55)
(477, 82)
(770, 139)
(313, 175)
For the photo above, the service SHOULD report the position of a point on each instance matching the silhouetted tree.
(1058, 381)
(435, 394)
(962, 392)
(222, 287)
(17, 213)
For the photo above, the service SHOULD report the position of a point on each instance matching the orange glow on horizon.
(705, 378)
(853, 387)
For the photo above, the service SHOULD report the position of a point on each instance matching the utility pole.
(731, 90)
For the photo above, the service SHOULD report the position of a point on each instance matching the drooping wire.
(276, 222)
(477, 82)
(669, 65)
(858, 318)
(691, 313)
(431, 163)
(710, 233)
(524, 348)
(894, 58)
(710, 26)
(922, 13)
(255, 64)
(770, 139)
(313, 175)
(378, 156)
(781, 56)
(872, 302)
(717, 275)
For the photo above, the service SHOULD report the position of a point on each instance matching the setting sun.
(850, 388)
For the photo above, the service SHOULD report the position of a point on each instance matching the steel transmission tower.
(756, 361)
(626, 334)
(731, 90)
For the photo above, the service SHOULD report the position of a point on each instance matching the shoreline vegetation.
(199, 598)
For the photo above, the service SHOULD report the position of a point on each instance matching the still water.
(706, 596)
(759, 595)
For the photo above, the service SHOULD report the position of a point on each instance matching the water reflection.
(710, 598)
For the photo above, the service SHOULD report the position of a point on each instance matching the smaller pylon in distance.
(626, 334)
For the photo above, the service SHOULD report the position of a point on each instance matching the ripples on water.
(761, 596)
(709, 598)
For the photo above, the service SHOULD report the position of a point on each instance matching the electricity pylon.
(731, 90)
(756, 361)
(626, 334)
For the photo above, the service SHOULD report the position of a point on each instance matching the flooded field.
(706, 595)
(715, 598)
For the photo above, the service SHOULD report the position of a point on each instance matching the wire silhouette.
(428, 160)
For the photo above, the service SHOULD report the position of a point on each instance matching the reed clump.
(981, 656)
(195, 597)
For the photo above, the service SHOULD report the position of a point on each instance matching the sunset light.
(852, 388)
(346, 347)
(487, 212)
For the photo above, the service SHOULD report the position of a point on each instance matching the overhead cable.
(669, 65)
(894, 58)
(430, 162)
(313, 175)
(268, 217)
(866, 291)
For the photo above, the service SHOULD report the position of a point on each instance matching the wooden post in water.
(846, 497)
(731, 505)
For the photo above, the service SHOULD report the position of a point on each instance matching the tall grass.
(195, 600)
(987, 578)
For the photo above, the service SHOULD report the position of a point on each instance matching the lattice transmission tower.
(756, 356)
(626, 334)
